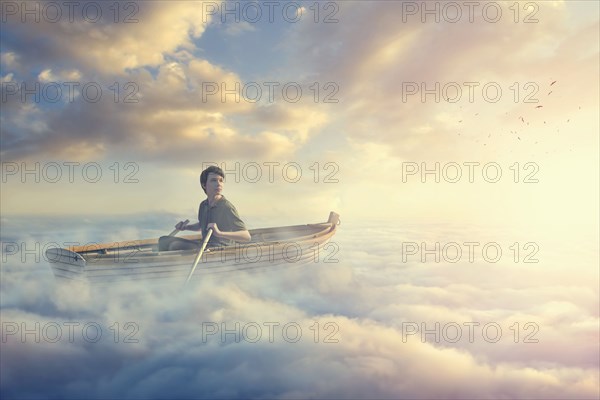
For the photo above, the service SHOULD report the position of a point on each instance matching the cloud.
(162, 110)
(176, 91)
(238, 335)
(359, 309)
(9, 59)
(239, 28)
(373, 68)
(47, 76)
(168, 118)
(124, 37)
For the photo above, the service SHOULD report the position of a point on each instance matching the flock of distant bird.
(539, 106)
(521, 117)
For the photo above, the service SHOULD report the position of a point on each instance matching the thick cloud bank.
(379, 323)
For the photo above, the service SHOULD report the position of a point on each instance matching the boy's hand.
(215, 229)
(181, 225)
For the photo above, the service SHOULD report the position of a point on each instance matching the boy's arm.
(238, 236)
(182, 226)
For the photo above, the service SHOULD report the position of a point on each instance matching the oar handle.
(199, 255)
(177, 230)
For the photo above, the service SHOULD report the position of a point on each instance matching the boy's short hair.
(204, 175)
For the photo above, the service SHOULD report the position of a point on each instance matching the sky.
(450, 121)
(384, 86)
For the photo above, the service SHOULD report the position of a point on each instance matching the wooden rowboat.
(141, 260)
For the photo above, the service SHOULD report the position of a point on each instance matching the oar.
(199, 255)
(177, 230)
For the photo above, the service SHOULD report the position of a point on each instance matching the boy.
(215, 213)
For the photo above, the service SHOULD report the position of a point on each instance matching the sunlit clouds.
(428, 126)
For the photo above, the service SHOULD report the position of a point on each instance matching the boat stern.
(66, 264)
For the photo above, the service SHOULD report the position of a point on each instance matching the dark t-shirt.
(224, 214)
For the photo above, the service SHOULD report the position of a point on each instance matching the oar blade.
(199, 255)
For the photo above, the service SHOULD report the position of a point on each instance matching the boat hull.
(140, 260)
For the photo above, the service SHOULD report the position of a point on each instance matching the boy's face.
(214, 184)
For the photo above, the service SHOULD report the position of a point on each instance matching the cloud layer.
(176, 88)
(367, 326)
